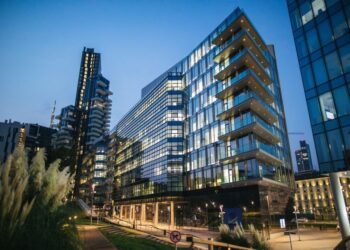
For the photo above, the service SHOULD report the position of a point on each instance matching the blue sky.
(41, 44)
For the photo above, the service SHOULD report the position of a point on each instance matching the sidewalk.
(93, 239)
(310, 239)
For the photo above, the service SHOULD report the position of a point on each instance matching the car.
(301, 220)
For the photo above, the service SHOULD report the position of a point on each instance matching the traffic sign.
(175, 236)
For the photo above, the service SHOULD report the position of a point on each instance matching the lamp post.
(296, 220)
(92, 201)
(268, 212)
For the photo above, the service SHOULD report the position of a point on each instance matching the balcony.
(257, 150)
(243, 59)
(247, 78)
(241, 39)
(230, 26)
(252, 125)
(248, 101)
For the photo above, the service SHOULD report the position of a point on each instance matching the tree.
(288, 211)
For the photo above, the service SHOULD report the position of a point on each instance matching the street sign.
(175, 236)
(282, 223)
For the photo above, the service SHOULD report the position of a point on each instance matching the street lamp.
(296, 220)
(92, 201)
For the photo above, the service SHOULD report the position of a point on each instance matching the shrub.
(237, 237)
(258, 241)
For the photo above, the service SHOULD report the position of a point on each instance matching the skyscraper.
(92, 107)
(208, 133)
(303, 157)
(322, 39)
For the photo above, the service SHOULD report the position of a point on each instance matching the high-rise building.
(303, 157)
(12, 134)
(92, 107)
(64, 138)
(207, 135)
(322, 39)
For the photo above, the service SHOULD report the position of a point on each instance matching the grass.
(122, 242)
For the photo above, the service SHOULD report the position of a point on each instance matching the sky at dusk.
(41, 44)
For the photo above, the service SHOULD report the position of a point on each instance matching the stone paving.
(93, 239)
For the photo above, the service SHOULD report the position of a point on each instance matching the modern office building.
(66, 126)
(314, 195)
(209, 133)
(303, 157)
(322, 39)
(92, 106)
(12, 134)
(27, 135)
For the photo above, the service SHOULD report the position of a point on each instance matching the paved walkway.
(311, 239)
(93, 239)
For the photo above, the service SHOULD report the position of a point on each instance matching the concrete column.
(172, 215)
(340, 205)
(130, 213)
(121, 211)
(155, 218)
(143, 213)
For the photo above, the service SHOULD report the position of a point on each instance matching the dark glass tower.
(303, 157)
(322, 39)
(92, 106)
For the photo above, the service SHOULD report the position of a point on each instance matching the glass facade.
(322, 39)
(219, 122)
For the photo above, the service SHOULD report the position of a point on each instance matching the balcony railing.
(237, 100)
(247, 122)
(224, 85)
(251, 147)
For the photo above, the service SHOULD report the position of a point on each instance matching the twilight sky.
(41, 44)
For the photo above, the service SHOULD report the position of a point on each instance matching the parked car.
(301, 220)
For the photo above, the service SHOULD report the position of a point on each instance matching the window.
(308, 80)
(319, 71)
(331, 2)
(342, 101)
(335, 144)
(314, 111)
(312, 40)
(301, 46)
(345, 57)
(295, 19)
(318, 6)
(306, 12)
(325, 32)
(322, 148)
(333, 65)
(346, 136)
(339, 24)
(327, 107)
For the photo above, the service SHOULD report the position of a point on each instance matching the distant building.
(30, 136)
(303, 157)
(314, 194)
(66, 128)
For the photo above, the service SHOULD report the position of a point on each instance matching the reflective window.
(325, 32)
(319, 71)
(295, 19)
(312, 40)
(306, 12)
(327, 106)
(335, 144)
(345, 57)
(347, 11)
(346, 136)
(339, 24)
(314, 111)
(322, 148)
(331, 2)
(301, 46)
(306, 74)
(318, 6)
(342, 101)
(333, 65)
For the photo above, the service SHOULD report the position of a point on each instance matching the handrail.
(213, 243)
